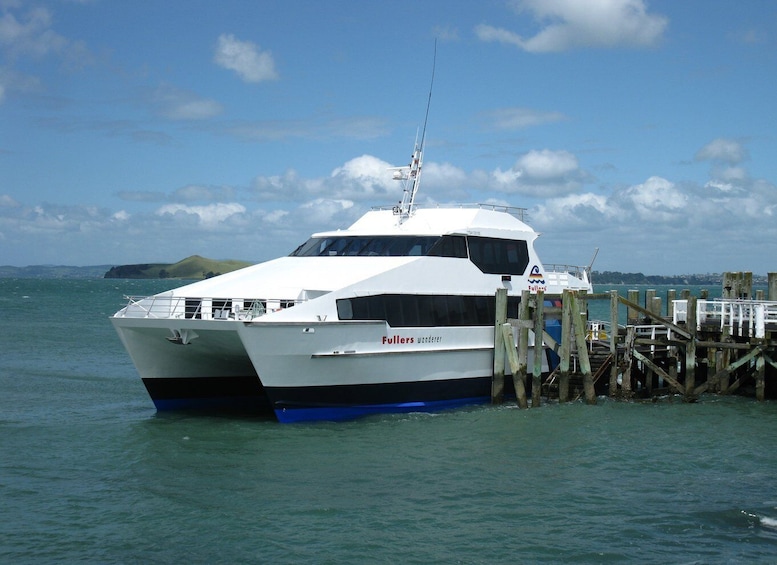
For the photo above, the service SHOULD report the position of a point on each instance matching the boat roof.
(469, 219)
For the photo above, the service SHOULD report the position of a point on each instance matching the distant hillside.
(52, 272)
(194, 267)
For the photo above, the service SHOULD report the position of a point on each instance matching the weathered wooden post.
(650, 293)
(632, 316)
(516, 366)
(614, 342)
(582, 351)
(728, 282)
(498, 380)
(760, 378)
(723, 361)
(539, 352)
(564, 353)
(671, 296)
(656, 306)
(712, 356)
(631, 336)
(690, 350)
(746, 290)
(519, 378)
(772, 282)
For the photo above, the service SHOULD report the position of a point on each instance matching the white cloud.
(722, 150)
(547, 164)
(571, 211)
(32, 36)
(245, 58)
(195, 192)
(8, 202)
(573, 24)
(539, 173)
(361, 178)
(520, 118)
(657, 200)
(209, 217)
(176, 104)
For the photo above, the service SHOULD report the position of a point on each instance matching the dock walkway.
(720, 346)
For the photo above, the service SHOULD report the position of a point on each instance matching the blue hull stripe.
(342, 413)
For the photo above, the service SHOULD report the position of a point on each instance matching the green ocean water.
(89, 472)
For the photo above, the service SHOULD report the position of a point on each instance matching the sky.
(147, 131)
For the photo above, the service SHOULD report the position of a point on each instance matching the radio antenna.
(411, 174)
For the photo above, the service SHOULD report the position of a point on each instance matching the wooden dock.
(695, 345)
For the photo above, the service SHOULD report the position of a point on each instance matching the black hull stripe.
(379, 394)
(203, 387)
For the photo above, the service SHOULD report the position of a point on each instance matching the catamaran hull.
(339, 371)
(192, 364)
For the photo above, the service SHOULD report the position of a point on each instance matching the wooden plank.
(668, 378)
(659, 321)
(731, 368)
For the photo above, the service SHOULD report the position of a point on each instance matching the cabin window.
(366, 246)
(499, 256)
(450, 246)
(411, 310)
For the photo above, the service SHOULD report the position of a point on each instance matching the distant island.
(194, 267)
(711, 279)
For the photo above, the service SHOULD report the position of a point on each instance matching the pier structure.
(695, 345)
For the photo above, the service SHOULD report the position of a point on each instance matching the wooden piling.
(760, 378)
(564, 354)
(613, 388)
(578, 321)
(539, 353)
(632, 316)
(498, 380)
(513, 358)
(519, 377)
(628, 353)
(671, 296)
(772, 284)
(690, 350)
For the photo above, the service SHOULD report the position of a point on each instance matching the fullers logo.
(536, 280)
(397, 340)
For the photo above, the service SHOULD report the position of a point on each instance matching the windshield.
(384, 246)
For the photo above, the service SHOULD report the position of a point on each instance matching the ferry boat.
(393, 314)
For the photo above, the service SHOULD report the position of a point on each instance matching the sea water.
(90, 472)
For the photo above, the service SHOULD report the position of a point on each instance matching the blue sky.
(150, 131)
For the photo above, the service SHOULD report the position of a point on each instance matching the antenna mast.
(411, 174)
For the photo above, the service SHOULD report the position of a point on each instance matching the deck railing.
(167, 306)
(744, 318)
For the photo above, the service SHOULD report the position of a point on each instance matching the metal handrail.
(167, 306)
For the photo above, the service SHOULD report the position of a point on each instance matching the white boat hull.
(193, 364)
(342, 370)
